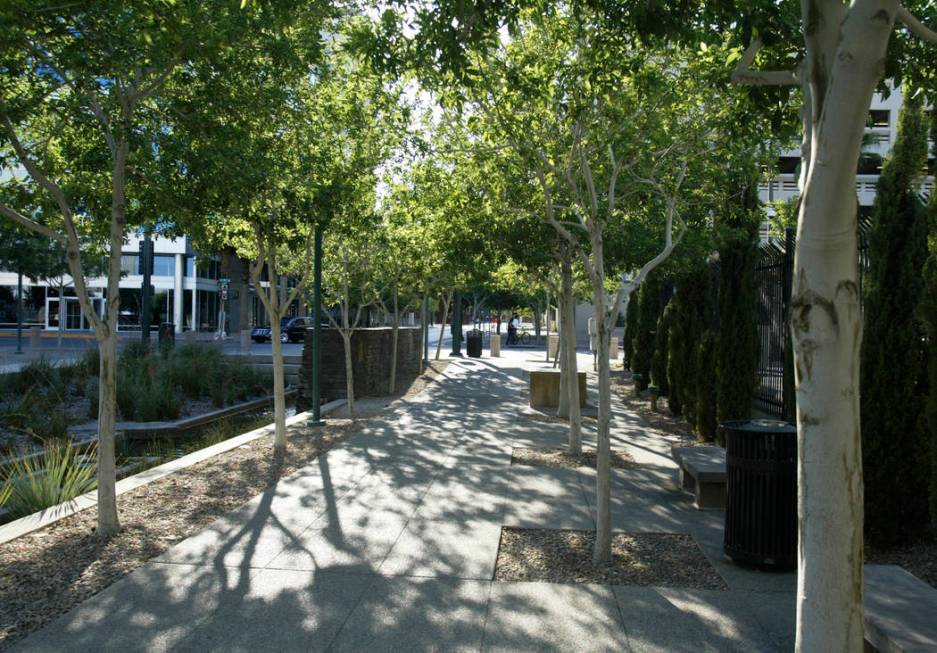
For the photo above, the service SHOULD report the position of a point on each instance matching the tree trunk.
(393, 347)
(568, 334)
(562, 409)
(279, 391)
(603, 530)
(546, 319)
(108, 522)
(349, 374)
(447, 299)
(844, 64)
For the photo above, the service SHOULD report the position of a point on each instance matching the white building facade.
(185, 291)
(881, 133)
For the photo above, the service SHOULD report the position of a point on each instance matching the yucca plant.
(60, 474)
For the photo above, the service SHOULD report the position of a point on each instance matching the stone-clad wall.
(370, 359)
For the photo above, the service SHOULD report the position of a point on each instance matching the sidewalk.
(389, 543)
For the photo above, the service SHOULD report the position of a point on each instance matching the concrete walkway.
(388, 543)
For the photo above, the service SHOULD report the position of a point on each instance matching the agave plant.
(60, 474)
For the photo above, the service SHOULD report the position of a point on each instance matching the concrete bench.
(702, 471)
(900, 611)
(545, 388)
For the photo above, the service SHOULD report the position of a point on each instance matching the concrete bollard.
(495, 345)
(245, 341)
(35, 337)
(613, 348)
(553, 344)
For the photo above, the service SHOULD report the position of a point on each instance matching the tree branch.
(743, 74)
(32, 225)
(916, 27)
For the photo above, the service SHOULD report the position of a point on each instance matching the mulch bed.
(565, 556)
(49, 571)
(561, 458)
(663, 422)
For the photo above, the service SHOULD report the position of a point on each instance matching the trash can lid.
(760, 426)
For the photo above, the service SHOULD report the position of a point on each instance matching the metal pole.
(19, 313)
(457, 325)
(145, 311)
(425, 330)
(316, 327)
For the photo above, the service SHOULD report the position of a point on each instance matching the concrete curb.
(30, 523)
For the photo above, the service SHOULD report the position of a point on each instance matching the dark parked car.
(292, 329)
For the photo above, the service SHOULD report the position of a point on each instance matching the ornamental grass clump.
(60, 474)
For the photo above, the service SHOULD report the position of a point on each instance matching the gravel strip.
(561, 458)
(49, 571)
(562, 556)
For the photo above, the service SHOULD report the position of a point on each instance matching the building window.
(879, 119)
(164, 265)
(129, 263)
(190, 266)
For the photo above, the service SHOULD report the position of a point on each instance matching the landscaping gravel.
(557, 457)
(47, 572)
(565, 556)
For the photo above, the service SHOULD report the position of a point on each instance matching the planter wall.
(370, 359)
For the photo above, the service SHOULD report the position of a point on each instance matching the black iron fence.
(774, 272)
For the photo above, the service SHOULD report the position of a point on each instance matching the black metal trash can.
(167, 335)
(761, 494)
(473, 343)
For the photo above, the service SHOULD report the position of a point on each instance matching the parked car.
(292, 329)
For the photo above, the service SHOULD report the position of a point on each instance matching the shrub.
(648, 309)
(60, 474)
(893, 369)
(705, 413)
(661, 341)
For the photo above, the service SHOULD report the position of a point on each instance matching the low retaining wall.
(370, 362)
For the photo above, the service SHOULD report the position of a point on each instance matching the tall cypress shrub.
(706, 389)
(689, 312)
(631, 324)
(893, 369)
(928, 314)
(661, 341)
(737, 346)
(646, 328)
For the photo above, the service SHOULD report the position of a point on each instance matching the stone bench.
(702, 471)
(545, 388)
(900, 611)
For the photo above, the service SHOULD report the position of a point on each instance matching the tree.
(79, 116)
(844, 50)
(893, 360)
(567, 109)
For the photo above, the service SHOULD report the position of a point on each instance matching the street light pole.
(145, 311)
(19, 312)
(425, 330)
(316, 327)
(457, 325)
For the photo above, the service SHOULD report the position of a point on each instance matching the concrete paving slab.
(544, 497)
(152, 609)
(464, 549)
(417, 614)
(553, 617)
(281, 611)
